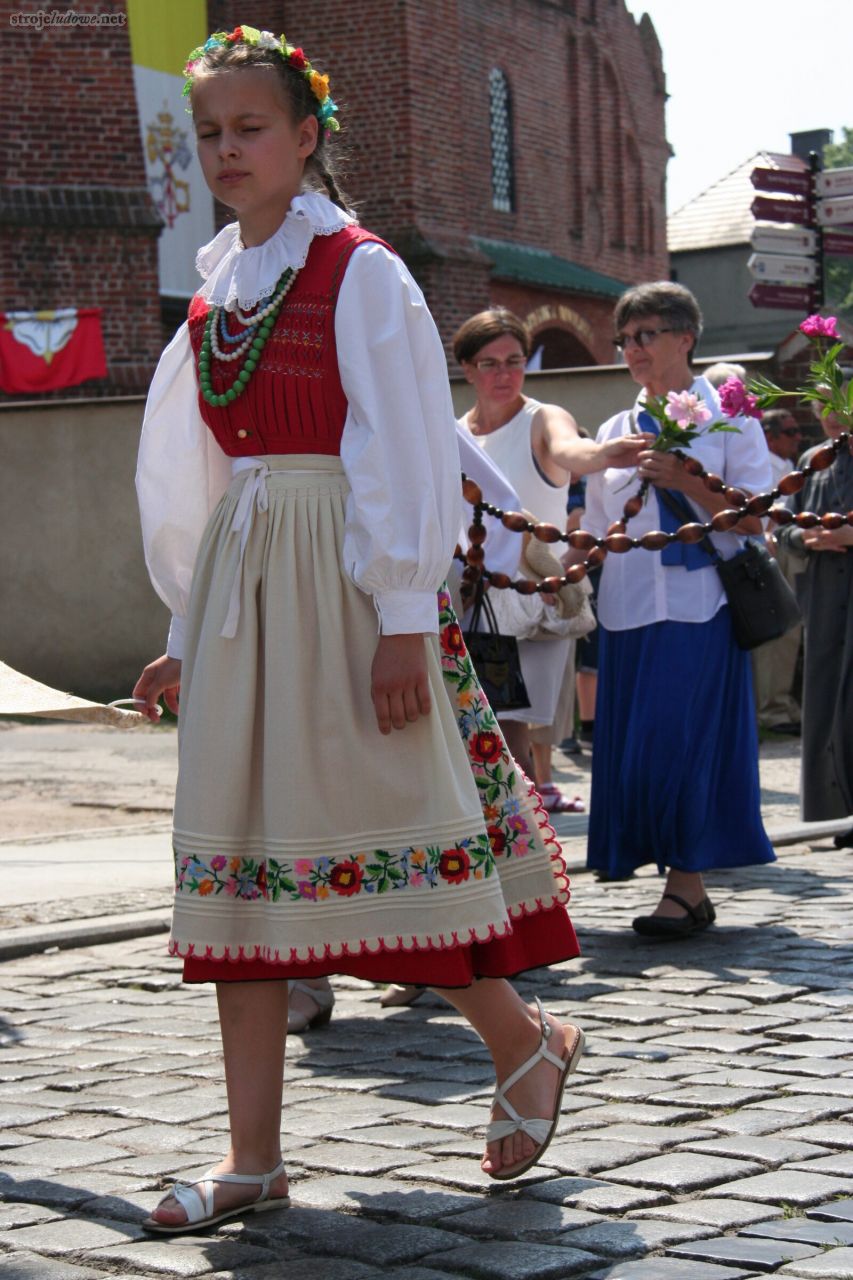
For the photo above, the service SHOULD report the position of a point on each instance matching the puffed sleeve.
(399, 447)
(181, 474)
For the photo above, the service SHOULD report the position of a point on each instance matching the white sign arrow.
(770, 237)
(835, 211)
(835, 182)
(782, 268)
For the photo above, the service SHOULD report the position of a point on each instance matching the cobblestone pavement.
(708, 1134)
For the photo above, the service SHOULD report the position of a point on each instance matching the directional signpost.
(789, 240)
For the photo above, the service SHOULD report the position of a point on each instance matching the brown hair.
(675, 305)
(300, 99)
(479, 330)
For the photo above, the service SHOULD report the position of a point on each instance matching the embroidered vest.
(294, 401)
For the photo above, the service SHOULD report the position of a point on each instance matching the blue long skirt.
(675, 766)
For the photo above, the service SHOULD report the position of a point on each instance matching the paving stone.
(352, 1157)
(837, 1264)
(840, 1210)
(465, 1172)
(840, 1163)
(29, 1266)
(589, 1154)
(680, 1171)
(345, 1235)
(411, 1137)
(810, 1048)
(770, 1151)
(804, 1230)
(761, 1255)
(785, 1187)
(668, 1269)
(660, 1136)
(505, 1261)
(521, 1219)
(298, 1268)
(73, 1235)
(749, 1121)
(826, 1028)
(721, 1214)
(634, 1236)
(82, 1185)
(709, 1096)
(65, 1153)
(79, 1126)
(638, 1113)
(180, 1256)
(596, 1196)
(717, 1041)
(381, 1196)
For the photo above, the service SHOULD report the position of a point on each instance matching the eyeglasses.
(790, 431)
(512, 363)
(642, 338)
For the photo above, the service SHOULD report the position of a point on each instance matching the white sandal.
(323, 998)
(540, 1130)
(199, 1208)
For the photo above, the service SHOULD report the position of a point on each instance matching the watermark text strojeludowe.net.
(41, 18)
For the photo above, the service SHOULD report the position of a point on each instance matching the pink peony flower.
(687, 409)
(820, 327)
(735, 400)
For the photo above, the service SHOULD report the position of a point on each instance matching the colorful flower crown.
(294, 57)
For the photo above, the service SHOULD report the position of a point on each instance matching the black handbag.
(762, 604)
(495, 657)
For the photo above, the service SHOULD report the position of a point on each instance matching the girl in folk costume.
(345, 801)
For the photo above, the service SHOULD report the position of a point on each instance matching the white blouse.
(636, 588)
(399, 450)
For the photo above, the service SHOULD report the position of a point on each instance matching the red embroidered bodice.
(294, 401)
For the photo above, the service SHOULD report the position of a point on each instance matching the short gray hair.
(720, 372)
(674, 304)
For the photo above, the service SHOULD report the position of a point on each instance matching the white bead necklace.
(252, 321)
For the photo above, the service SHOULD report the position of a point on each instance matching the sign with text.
(767, 238)
(780, 297)
(794, 182)
(834, 182)
(835, 211)
(782, 268)
(768, 209)
(838, 243)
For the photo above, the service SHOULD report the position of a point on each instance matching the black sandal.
(696, 919)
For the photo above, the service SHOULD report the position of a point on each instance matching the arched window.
(500, 124)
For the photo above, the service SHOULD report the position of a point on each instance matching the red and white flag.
(48, 350)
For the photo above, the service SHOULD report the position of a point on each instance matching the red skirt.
(545, 938)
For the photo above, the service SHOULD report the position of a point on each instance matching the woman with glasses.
(675, 769)
(538, 448)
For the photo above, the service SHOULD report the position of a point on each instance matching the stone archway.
(560, 349)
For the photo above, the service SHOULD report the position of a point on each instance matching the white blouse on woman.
(636, 587)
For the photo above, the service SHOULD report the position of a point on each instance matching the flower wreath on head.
(294, 57)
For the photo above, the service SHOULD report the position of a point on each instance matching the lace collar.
(236, 276)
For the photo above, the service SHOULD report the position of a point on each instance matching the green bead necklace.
(261, 326)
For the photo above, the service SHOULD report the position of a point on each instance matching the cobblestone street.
(708, 1133)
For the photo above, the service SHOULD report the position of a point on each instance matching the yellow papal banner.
(162, 33)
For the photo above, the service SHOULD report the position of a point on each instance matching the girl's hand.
(160, 677)
(662, 469)
(828, 539)
(398, 681)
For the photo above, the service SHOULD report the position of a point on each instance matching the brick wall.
(588, 139)
(590, 149)
(76, 222)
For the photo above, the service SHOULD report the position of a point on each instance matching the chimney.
(809, 140)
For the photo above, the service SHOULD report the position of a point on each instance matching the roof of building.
(722, 214)
(538, 266)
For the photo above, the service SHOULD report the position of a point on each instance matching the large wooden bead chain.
(249, 344)
(618, 541)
